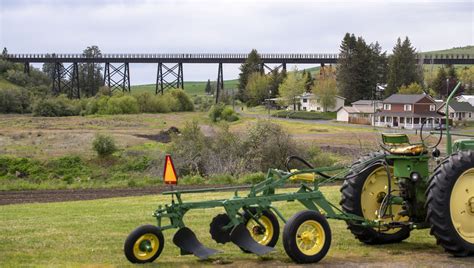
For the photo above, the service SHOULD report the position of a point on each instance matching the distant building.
(312, 102)
(361, 112)
(407, 111)
(459, 111)
(466, 98)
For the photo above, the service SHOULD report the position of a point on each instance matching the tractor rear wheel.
(362, 195)
(450, 203)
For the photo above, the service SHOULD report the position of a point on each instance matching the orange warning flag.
(169, 174)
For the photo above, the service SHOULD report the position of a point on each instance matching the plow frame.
(260, 198)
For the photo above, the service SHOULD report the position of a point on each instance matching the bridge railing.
(176, 55)
(212, 56)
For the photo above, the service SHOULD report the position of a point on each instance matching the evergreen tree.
(439, 83)
(309, 80)
(402, 69)
(4, 52)
(276, 78)
(360, 68)
(208, 88)
(251, 65)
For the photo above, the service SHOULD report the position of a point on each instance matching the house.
(311, 102)
(459, 111)
(361, 112)
(466, 98)
(407, 111)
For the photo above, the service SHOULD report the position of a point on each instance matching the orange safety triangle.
(169, 174)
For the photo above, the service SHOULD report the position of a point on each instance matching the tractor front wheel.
(144, 244)
(307, 237)
(450, 203)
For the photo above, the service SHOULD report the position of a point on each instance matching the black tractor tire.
(274, 222)
(438, 193)
(351, 203)
(152, 234)
(290, 237)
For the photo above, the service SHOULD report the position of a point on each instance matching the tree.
(309, 80)
(4, 52)
(439, 83)
(360, 68)
(413, 88)
(292, 87)
(90, 74)
(251, 65)
(276, 78)
(208, 88)
(467, 77)
(402, 69)
(326, 91)
(257, 88)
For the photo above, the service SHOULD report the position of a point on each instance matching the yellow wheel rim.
(146, 246)
(375, 188)
(310, 237)
(461, 205)
(263, 237)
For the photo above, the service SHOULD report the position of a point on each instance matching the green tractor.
(394, 187)
(385, 195)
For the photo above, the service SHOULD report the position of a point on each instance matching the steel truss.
(264, 68)
(117, 78)
(172, 77)
(220, 81)
(66, 80)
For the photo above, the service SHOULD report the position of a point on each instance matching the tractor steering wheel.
(424, 136)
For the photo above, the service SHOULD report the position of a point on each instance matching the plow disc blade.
(187, 241)
(241, 237)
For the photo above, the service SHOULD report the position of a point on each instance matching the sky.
(185, 26)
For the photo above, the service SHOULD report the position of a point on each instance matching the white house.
(466, 98)
(361, 112)
(459, 111)
(311, 102)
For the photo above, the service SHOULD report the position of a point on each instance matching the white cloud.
(227, 26)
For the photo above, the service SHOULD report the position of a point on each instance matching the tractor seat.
(411, 149)
(399, 144)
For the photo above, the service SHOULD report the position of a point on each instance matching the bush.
(215, 112)
(184, 102)
(104, 145)
(122, 105)
(221, 112)
(150, 103)
(17, 77)
(14, 101)
(56, 106)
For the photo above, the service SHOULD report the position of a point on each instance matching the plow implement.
(251, 222)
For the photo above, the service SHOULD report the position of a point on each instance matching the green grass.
(454, 50)
(191, 87)
(91, 233)
(306, 115)
(5, 84)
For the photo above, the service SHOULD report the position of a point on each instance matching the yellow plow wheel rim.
(310, 237)
(373, 190)
(461, 205)
(265, 237)
(154, 244)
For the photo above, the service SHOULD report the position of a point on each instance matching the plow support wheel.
(187, 241)
(241, 237)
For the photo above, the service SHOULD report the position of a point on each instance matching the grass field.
(192, 88)
(91, 233)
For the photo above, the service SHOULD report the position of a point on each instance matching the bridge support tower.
(117, 77)
(66, 80)
(169, 77)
